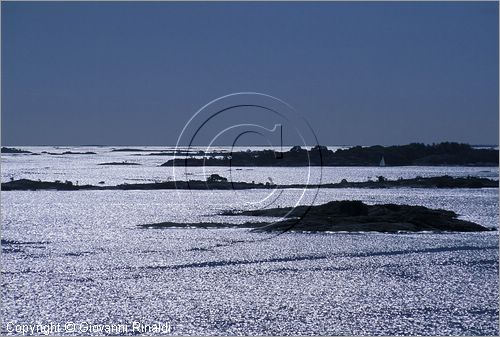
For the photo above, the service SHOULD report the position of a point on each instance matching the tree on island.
(215, 178)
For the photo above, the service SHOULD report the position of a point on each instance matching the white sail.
(382, 161)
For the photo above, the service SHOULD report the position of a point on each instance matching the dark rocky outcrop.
(33, 185)
(167, 224)
(357, 216)
(399, 155)
(13, 150)
(69, 152)
(123, 163)
(160, 152)
(27, 184)
(348, 216)
(129, 150)
(419, 182)
(66, 153)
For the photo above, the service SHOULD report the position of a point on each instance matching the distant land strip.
(216, 182)
(415, 154)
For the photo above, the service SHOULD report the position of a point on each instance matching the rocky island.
(347, 216)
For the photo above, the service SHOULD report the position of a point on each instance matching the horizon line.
(251, 145)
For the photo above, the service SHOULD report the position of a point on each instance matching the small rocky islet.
(119, 163)
(13, 150)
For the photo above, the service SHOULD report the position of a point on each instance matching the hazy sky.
(361, 73)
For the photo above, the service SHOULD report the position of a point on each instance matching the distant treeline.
(399, 155)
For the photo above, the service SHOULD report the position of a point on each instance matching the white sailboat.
(382, 161)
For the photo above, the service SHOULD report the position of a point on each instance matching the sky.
(133, 73)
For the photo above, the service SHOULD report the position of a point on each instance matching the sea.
(80, 261)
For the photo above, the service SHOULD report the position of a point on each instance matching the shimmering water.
(85, 168)
(82, 258)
